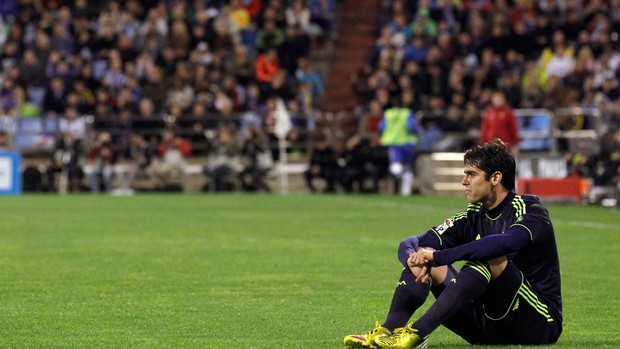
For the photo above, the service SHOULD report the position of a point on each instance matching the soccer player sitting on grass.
(508, 290)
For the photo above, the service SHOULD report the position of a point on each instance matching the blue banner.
(10, 179)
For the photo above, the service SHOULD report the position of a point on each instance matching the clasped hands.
(420, 262)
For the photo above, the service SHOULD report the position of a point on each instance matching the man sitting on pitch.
(507, 292)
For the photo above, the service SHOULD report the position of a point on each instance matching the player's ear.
(496, 178)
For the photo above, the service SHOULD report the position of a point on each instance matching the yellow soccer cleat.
(367, 339)
(403, 338)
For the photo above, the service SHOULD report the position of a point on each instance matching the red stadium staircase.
(355, 37)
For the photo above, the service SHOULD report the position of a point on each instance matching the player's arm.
(449, 233)
(487, 248)
(410, 245)
(531, 228)
(412, 126)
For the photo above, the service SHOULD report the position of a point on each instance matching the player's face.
(477, 187)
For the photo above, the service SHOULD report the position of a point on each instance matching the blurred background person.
(257, 161)
(65, 160)
(224, 163)
(499, 122)
(399, 131)
(323, 164)
(99, 168)
(167, 170)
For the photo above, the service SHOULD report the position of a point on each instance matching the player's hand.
(421, 257)
(424, 275)
(420, 264)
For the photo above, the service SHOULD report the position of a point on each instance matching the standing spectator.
(399, 133)
(378, 161)
(356, 156)
(65, 160)
(257, 162)
(499, 122)
(323, 164)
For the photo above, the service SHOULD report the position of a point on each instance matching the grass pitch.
(249, 271)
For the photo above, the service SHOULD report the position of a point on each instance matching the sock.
(408, 297)
(407, 182)
(436, 290)
(470, 284)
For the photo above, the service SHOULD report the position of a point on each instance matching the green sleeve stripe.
(519, 205)
(458, 216)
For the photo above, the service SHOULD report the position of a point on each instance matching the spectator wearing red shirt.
(499, 122)
(168, 170)
(267, 64)
(100, 164)
(254, 7)
(170, 141)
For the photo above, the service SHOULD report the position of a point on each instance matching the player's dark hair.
(492, 157)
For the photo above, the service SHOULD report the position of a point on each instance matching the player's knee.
(439, 274)
(405, 247)
(396, 169)
(497, 266)
(408, 244)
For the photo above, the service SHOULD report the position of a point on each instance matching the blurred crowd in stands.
(446, 58)
(117, 57)
(188, 59)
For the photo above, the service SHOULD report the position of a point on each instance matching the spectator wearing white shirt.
(562, 63)
(73, 124)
